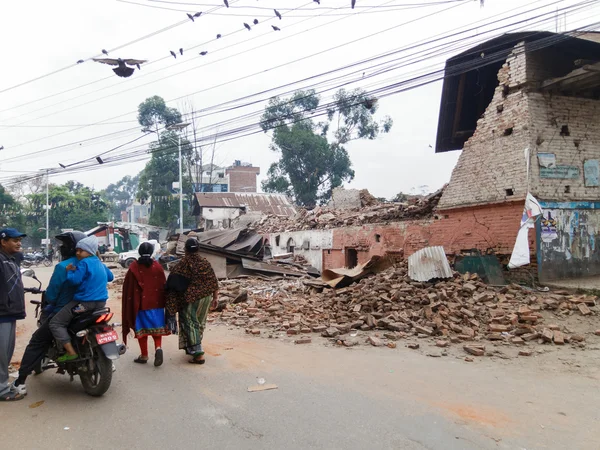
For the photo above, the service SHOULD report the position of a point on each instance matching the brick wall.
(242, 179)
(486, 228)
(582, 117)
(492, 167)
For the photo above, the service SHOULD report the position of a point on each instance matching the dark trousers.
(38, 345)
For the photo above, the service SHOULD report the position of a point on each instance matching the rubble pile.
(462, 310)
(372, 212)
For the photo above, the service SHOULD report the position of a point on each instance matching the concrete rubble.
(388, 307)
(371, 211)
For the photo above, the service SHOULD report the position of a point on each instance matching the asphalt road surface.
(327, 398)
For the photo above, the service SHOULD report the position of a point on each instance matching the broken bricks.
(475, 349)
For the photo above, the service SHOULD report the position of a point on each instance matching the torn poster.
(520, 255)
(547, 160)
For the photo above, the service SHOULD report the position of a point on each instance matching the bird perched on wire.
(218, 36)
(352, 4)
(122, 70)
(181, 51)
(277, 13)
(276, 28)
(226, 3)
(203, 53)
(255, 21)
(81, 61)
(173, 54)
(105, 52)
(318, 2)
(247, 26)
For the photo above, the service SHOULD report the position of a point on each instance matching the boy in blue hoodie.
(90, 276)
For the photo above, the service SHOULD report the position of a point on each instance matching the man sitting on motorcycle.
(58, 294)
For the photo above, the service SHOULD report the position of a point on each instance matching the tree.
(154, 112)
(72, 205)
(310, 165)
(9, 210)
(121, 194)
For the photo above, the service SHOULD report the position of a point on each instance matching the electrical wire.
(134, 128)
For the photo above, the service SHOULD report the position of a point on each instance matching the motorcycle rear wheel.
(47, 263)
(98, 382)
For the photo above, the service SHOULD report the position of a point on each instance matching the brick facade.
(486, 228)
(492, 167)
(242, 178)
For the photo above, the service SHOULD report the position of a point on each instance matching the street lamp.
(179, 127)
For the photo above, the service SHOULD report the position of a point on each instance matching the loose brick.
(584, 309)
(547, 335)
(375, 342)
(441, 344)
(525, 352)
(303, 340)
(425, 330)
(413, 345)
(559, 338)
(475, 350)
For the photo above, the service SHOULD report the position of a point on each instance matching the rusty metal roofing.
(277, 204)
(429, 263)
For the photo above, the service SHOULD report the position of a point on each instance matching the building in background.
(242, 177)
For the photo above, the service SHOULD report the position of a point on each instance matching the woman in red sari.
(144, 304)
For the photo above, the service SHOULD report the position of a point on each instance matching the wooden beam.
(581, 72)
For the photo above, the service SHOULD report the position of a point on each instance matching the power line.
(381, 92)
(134, 128)
(256, 73)
(135, 41)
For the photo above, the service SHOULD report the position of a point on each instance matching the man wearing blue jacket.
(90, 277)
(58, 294)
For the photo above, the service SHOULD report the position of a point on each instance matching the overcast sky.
(39, 37)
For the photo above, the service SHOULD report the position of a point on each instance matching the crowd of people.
(153, 305)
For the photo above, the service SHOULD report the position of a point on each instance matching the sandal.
(11, 396)
(140, 360)
(158, 357)
(197, 361)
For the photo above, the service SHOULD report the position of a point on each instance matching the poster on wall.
(547, 160)
(548, 228)
(591, 172)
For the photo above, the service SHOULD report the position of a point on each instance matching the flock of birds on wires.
(125, 67)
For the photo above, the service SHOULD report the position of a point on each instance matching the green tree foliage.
(10, 212)
(157, 178)
(72, 205)
(153, 113)
(121, 194)
(310, 164)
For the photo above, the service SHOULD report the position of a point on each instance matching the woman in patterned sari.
(192, 288)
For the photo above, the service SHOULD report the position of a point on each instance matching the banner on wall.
(521, 255)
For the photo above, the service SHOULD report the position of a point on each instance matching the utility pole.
(47, 213)
(179, 127)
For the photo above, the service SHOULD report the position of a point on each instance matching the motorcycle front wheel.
(97, 381)
(47, 263)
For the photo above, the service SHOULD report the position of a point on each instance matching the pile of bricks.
(328, 218)
(463, 310)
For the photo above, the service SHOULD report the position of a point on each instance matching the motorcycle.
(94, 340)
(35, 259)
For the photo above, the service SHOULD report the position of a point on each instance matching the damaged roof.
(277, 204)
(467, 93)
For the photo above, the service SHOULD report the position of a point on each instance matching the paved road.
(328, 398)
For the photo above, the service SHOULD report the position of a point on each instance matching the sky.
(64, 112)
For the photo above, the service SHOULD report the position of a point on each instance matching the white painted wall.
(315, 240)
(220, 216)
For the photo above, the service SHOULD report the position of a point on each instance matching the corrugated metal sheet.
(277, 204)
(429, 263)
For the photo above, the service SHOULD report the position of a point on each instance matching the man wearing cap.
(12, 305)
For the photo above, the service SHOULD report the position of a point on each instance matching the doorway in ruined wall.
(290, 245)
(351, 258)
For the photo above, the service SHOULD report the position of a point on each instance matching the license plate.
(105, 338)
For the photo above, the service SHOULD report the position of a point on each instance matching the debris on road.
(462, 310)
(263, 387)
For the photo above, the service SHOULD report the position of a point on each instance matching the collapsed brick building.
(526, 120)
